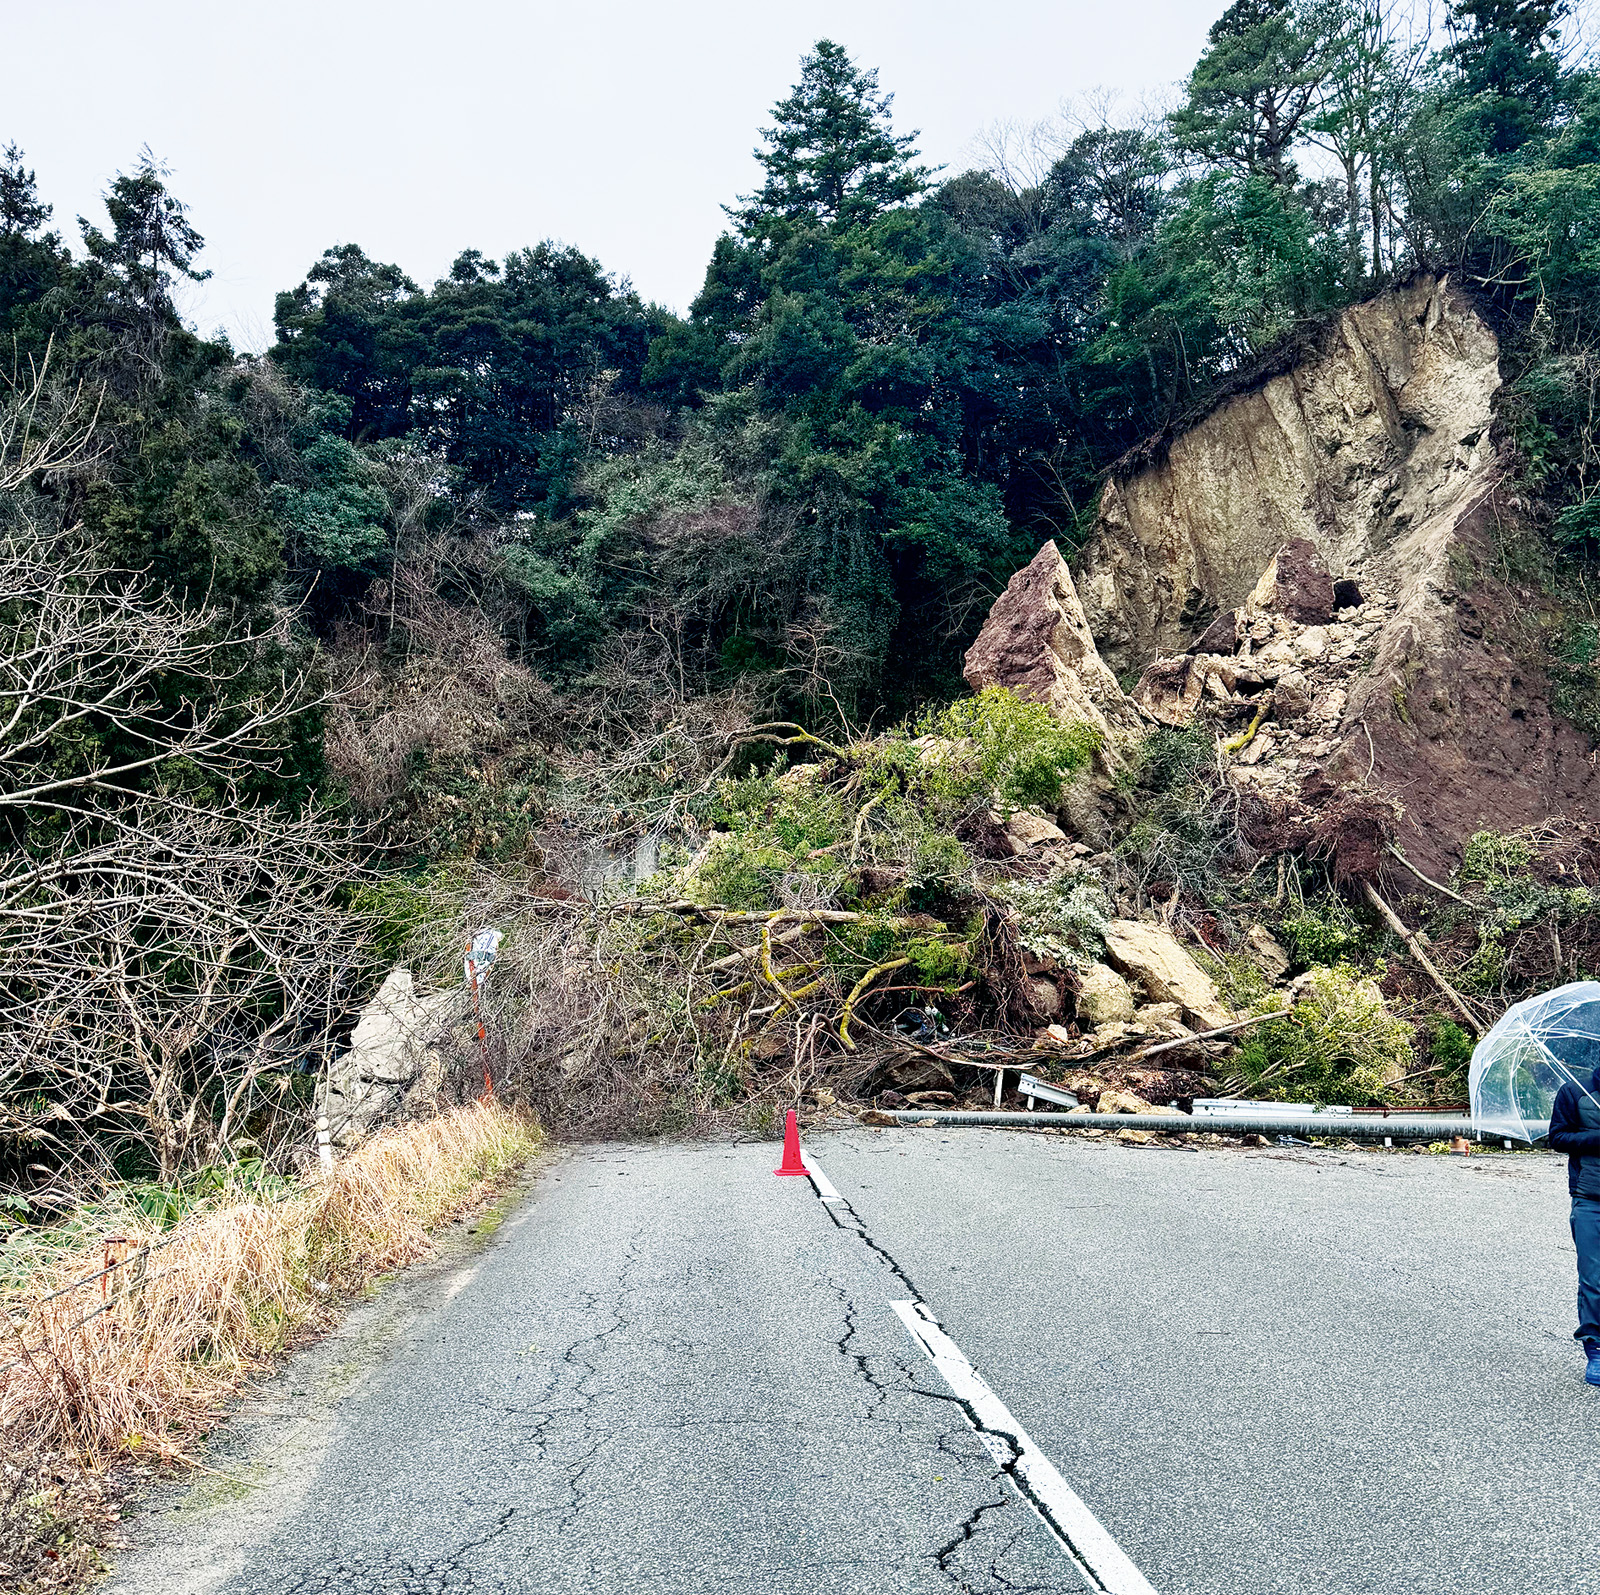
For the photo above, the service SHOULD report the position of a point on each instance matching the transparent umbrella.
(1536, 1048)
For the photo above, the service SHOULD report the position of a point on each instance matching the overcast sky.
(419, 130)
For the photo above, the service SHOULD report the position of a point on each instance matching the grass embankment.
(137, 1363)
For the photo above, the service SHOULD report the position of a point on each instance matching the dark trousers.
(1586, 1237)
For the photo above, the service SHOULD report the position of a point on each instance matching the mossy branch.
(856, 993)
(1239, 743)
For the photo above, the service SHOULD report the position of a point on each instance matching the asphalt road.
(671, 1372)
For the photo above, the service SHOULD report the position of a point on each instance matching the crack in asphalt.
(391, 1575)
(582, 1356)
(847, 1219)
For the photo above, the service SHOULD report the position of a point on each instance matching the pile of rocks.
(1278, 666)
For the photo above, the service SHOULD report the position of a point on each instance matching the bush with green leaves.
(1063, 917)
(1449, 1050)
(1327, 931)
(1500, 866)
(778, 828)
(1023, 752)
(1181, 831)
(1341, 1044)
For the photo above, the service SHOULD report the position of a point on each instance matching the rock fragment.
(1104, 996)
(1036, 641)
(1295, 583)
(1268, 952)
(1157, 960)
(393, 1051)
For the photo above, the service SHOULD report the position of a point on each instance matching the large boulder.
(1157, 960)
(1295, 583)
(1036, 641)
(1104, 996)
(393, 1051)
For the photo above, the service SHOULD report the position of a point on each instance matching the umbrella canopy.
(1536, 1048)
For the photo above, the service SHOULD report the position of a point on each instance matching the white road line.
(1080, 1532)
(825, 1186)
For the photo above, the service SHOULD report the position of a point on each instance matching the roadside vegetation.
(512, 600)
(131, 1323)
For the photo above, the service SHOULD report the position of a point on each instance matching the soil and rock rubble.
(1298, 582)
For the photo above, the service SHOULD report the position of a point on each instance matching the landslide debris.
(1326, 808)
(1312, 567)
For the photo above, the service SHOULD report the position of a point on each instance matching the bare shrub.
(173, 981)
(427, 700)
(165, 942)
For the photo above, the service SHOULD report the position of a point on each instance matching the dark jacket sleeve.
(1567, 1133)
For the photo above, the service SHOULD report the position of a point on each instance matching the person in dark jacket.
(1575, 1130)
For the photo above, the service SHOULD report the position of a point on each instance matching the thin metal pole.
(1342, 1125)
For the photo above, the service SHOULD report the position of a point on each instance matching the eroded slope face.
(1315, 564)
(1372, 452)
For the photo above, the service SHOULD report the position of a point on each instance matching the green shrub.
(1064, 917)
(1575, 673)
(1172, 759)
(939, 859)
(1492, 858)
(777, 823)
(1023, 752)
(1449, 1048)
(1238, 977)
(1341, 1044)
(1181, 831)
(1326, 933)
(399, 907)
(1500, 865)
(938, 963)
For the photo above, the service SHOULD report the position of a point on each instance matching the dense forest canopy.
(436, 531)
(906, 379)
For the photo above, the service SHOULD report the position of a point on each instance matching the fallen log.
(1397, 925)
(1207, 1035)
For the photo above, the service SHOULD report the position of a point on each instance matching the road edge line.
(825, 1187)
(1080, 1532)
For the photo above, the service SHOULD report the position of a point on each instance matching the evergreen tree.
(1503, 51)
(152, 240)
(832, 155)
(342, 331)
(32, 262)
(21, 213)
(1254, 87)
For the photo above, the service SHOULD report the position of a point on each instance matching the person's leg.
(1586, 1237)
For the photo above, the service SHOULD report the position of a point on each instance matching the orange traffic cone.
(791, 1146)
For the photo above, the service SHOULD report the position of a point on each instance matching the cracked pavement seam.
(1004, 1447)
(582, 1355)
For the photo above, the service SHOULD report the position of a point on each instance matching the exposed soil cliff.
(1372, 451)
(1313, 559)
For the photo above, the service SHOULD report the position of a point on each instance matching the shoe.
(1591, 1374)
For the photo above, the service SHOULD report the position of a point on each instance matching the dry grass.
(230, 1286)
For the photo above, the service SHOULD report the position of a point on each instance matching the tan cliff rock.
(1376, 447)
(1314, 564)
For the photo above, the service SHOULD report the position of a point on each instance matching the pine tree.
(1254, 87)
(21, 213)
(832, 154)
(1504, 53)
